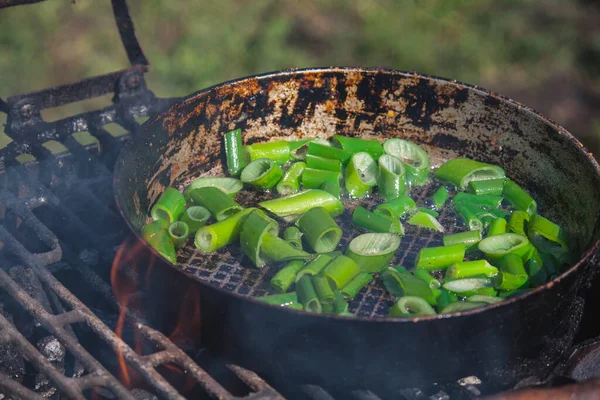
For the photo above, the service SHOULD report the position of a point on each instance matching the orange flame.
(186, 332)
(124, 290)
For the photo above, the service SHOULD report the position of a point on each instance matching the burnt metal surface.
(448, 119)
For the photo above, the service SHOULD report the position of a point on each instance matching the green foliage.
(195, 44)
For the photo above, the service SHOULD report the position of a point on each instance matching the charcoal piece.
(140, 394)
(26, 279)
(11, 360)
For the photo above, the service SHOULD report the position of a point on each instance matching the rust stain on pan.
(449, 118)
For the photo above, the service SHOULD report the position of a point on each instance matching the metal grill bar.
(32, 355)
(127, 32)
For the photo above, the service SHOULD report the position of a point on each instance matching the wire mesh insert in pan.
(227, 268)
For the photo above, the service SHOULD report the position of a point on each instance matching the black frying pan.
(448, 119)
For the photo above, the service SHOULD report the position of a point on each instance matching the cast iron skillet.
(446, 117)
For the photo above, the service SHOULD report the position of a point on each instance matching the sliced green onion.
(518, 222)
(497, 246)
(334, 254)
(327, 308)
(480, 201)
(330, 152)
(497, 227)
(234, 152)
(341, 271)
(229, 186)
(519, 198)
(400, 284)
(551, 263)
(425, 276)
(195, 217)
(415, 159)
(360, 175)
(411, 306)
(315, 266)
(356, 145)
(468, 238)
(373, 251)
(547, 236)
(391, 179)
(169, 206)
(469, 286)
(436, 258)
(508, 281)
(216, 201)
(467, 269)
(468, 213)
(315, 178)
(327, 164)
(256, 226)
(178, 233)
(262, 173)
(396, 208)
(275, 249)
(323, 289)
(332, 187)
(512, 264)
(284, 278)
(299, 148)
(462, 306)
(213, 237)
(307, 296)
(429, 211)
(461, 171)
(426, 221)
(535, 270)
(294, 205)
(155, 233)
(493, 187)
(290, 182)
(479, 298)
(372, 222)
(289, 300)
(278, 152)
(341, 306)
(445, 298)
(320, 230)
(439, 198)
(356, 285)
(293, 236)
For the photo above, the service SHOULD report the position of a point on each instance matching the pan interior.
(446, 118)
(227, 268)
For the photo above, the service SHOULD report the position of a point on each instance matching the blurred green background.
(544, 53)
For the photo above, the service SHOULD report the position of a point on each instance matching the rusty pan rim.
(594, 248)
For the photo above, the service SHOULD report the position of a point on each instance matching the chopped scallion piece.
(372, 222)
(360, 175)
(461, 171)
(234, 152)
(169, 206)
(321, 232)
(355, 145)
(356, 285)
(290, 182)
(437, 258)
(296, 204)
(213, 237)
(519, 198)
(341, 271)
(426, 220)
(178, 233)
(391, 180)
(286, 276)
(415, 159)
(373, 251)
(216, 201)
(411, 306)
(262, 173)
(256, 226)
(278, 152)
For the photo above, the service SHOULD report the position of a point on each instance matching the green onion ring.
(373, 251)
